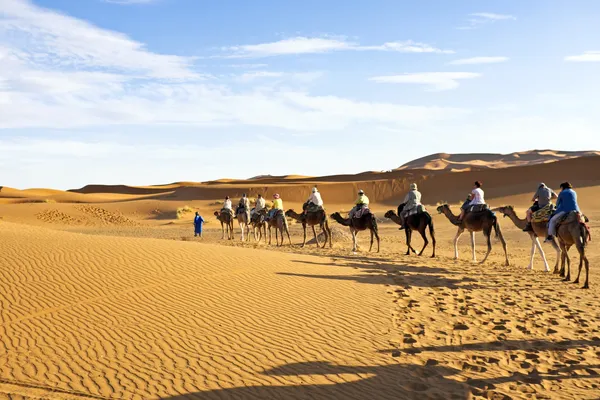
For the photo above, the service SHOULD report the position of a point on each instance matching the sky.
(156, 91)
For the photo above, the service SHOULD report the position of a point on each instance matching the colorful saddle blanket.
(543, 214)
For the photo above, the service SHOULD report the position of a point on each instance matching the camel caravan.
(562, 226)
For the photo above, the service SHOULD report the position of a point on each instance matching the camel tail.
(497, 230)
(431, 228)
(374, 222)
(586, 234)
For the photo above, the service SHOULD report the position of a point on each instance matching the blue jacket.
(567, 201)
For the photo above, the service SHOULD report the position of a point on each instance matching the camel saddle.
(420, 209)
(312, 208)
(571, 217)
(543, 214)
(477, 208)
(361, 211)
(276, 214)
(259, 216)
(240, 210)
(229, 210)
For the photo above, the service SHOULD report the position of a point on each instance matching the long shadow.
(398, 381)
(384, 267)
(404, 381)
(380, 273)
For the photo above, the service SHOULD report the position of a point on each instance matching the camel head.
(217, 214)
(443, 208)
(389, 214)
(505, 210)
(289, 213)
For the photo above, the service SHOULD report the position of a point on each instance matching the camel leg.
(316, 238)
(489, 247)
(304, 241)
(473, 246)
(371, 246)
(329, 235)
(587, 271)
(354, 244)
(222, 231)
(533, 247)
(582, 259)
(426, 242)
(563, 260)
(539, 246)
(376, 237)
(270, 235)
(458, 235)
(568, 266)
(408, 240)
(324, 234)
(432, 234)
(558, 256)
(287, 231)
(501, 237)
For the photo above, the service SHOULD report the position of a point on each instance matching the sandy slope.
(107, 295)
(108, 317)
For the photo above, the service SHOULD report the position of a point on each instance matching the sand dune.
(106, 294)
(445, 161)
(382, 187)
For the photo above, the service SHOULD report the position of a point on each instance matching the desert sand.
(106, 294)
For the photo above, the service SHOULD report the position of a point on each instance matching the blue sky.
(156, 91)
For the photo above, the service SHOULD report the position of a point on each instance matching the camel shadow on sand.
(380, 273)
(405, 381)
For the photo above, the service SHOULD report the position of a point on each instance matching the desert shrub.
(181, 211)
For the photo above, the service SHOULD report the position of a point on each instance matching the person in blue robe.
(198, 221)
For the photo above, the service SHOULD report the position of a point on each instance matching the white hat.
(413, 186)
(361, 191)
(315, 190)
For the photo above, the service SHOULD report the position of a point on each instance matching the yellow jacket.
(277, 204)
(362, 199)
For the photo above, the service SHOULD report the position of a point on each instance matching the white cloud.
(479, 19)
(295, 76)
(248, 66)
(61, 72)
(478, 60)
(493, 16)
(57, 40)
(588, 56)
(435, 80)
(315, 45)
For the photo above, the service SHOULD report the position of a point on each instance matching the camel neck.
(519, 223)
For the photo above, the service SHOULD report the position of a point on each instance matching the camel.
(473, 222)
(243, 218)
(366, 221)
(226, 220)
(416, 222)
(573, 232)
(259, 225)
(311, 219)
(540, 229)
(279, 223)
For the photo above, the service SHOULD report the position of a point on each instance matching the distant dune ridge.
(441, 177)
(472, 161)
